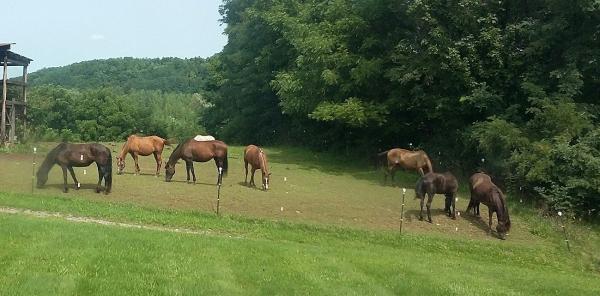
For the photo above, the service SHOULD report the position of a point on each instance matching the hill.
(164, 74)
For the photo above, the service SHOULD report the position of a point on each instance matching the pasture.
(325, 227)
(305, 187)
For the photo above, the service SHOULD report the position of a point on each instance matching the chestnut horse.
(68, 156)
(257, 158)
(410, 160)
(483, 190)
(143, 146)
(433, 183)
(204, 151)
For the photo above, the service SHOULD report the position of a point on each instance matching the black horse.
(68, 156)
(483, 190)
(433, 183)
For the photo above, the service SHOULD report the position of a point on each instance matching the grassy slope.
(243, 256)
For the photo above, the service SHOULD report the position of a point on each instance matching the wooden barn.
(14, 96)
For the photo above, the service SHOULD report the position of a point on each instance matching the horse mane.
(175, 154)
(50, 159)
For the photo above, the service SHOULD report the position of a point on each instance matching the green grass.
(330, 228)
(245, 256)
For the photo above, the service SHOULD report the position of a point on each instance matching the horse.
(143, 146)
(257, 158)
(203, 151)
(397, 157)
(433, 183)
(483, 190)
(68, 156)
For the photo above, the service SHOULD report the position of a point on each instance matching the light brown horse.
(483, 190)
(257, 158)
(203, 151)
(396, 158)
(433, 183)
(143, 146)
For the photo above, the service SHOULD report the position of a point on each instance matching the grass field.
(330, 228)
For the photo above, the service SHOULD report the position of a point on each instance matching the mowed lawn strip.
(50, 255)
(53, 256)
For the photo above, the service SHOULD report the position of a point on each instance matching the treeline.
(512, 82)
(111, 114)
(165, 74)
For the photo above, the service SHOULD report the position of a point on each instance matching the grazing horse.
(257, 158)
(433, 183)
(483, 190)
(143, 146)
(204, 151)
(68, 156)
(411, 160)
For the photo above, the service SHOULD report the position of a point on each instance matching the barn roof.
(13, 59)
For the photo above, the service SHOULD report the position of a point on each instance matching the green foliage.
(166, 74)
(509, 81)
(107, 114)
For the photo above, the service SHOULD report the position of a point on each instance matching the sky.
(61, 32)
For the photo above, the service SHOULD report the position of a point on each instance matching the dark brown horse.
(433, 183)
(143, 146)
(199, 151)
(68, 156)
(483, 190)
(257, 158)
(396, 158)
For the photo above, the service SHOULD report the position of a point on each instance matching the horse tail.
(169, 142)
(419, 189)
(380, 158)
(226, 163)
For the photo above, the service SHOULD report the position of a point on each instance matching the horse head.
(120, 165)
(502, 213)
(41, 179)
(169, 171)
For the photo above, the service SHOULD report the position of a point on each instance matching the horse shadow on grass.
(479, 222)
(250, 186)
(72, 187)
(337, 165)
(437, 214)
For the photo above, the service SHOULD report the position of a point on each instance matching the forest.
(510, 87)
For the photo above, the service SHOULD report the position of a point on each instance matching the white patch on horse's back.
(201, 138)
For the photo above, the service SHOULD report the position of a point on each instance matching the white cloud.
(97, 37)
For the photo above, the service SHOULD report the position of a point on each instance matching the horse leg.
(421, 212)
(246, 179)
(192, 169)
(137, 166)
(158, 158)
(100, 177)
(187, 170)
(74, 178)
(429, 200)
(453, 196)
(64, 169)
(490, 212)
(421, 172)
(252, 177)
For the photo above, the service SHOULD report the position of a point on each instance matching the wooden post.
(4, 93)
(25, 102)
(562, 225)
(402, 209)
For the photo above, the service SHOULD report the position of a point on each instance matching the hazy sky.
(61, 32)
